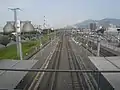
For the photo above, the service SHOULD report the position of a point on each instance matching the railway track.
(48, 80)
(88, 82)
(56, 66)
(103, 50)
(77, 78)
(51, 77)
(34, 84)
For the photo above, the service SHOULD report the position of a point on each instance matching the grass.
(44, 39)
(29, 47)
(10, 52)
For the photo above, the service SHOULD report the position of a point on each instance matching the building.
(9, 27)
(93, 26)
(26, 26)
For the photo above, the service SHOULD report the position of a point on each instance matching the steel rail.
(51, 76)
(88, 76)
(78, 76)
(70, 66)
(55, 74)
(51, 66)
(38, 77)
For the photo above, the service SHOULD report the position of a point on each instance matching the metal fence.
(97, 72)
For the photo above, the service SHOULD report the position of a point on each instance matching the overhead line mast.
(18, 33)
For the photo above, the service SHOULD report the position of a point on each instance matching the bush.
(4, 40)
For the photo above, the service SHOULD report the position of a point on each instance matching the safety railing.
(96, 72)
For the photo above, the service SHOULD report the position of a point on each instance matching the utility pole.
(40, 36)
(44, 25)
(17, 30)
(118, 36)
(98, 46)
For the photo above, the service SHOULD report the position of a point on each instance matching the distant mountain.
(105, 22)
(85, 23)
(110, 21)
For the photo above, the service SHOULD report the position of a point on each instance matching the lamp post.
(99, 32)
(19, 40)
(118, 36)
(98, 46)
(18, 34)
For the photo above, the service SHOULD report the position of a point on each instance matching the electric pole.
(98, 46)
(17, 30)
(44, 24)
(45, 27)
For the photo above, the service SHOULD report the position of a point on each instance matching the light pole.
(40, 40)
(98, 47)
(118, 36)
(19, 39)
(99, 32)
(17, 30)
(40, 35)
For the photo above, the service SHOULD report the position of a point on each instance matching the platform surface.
(9, 79)
(109, 63)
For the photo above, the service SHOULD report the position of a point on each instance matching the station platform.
(108, 64)
(10, 79)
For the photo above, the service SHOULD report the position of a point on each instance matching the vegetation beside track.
(10, 52)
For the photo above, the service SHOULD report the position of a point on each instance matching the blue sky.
(59, 12)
